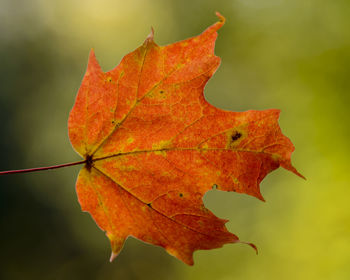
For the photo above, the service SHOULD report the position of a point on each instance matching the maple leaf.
(154, 146)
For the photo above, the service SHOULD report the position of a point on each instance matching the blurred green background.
(288, 54)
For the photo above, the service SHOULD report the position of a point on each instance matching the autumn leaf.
(154, 146)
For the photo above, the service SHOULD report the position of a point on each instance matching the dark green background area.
(292, 55)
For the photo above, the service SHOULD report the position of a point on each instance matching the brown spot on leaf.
(236, 135)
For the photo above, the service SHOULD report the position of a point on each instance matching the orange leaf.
(154, 146)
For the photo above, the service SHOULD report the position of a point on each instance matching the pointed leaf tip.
(217, 25)
(299, 174)
(150, 36)
(93, 65)
(251, 245)
(221, 17)
(113, 256)
(254, 247)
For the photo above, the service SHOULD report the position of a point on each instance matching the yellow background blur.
(288, 54)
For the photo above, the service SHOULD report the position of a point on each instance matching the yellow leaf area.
(154, 146)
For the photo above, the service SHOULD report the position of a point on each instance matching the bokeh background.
(288, 54)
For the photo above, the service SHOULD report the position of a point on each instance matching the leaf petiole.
(42, 168)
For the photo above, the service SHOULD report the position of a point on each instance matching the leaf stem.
(42, 168)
